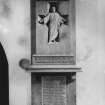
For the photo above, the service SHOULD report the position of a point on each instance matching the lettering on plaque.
(53, 90)
(53, 60)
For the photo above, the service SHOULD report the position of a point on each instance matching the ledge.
(25, 64)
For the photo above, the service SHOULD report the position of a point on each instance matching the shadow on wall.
(5, 10)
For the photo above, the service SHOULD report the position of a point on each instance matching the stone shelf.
(25, 64)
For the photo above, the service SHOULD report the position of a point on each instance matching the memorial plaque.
(54, 90)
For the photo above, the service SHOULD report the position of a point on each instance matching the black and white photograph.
(52, 52)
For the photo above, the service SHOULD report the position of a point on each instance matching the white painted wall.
(15, 37)
(91, 52)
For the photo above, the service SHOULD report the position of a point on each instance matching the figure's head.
(53, 9)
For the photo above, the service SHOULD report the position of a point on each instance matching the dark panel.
(33, 25)
(62, 85)
(36, 89)
(4, 79)
(71, 89)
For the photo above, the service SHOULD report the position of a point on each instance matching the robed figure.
(4, 78)
(54, 21)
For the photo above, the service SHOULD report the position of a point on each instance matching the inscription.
(53, 90)
(53, 60)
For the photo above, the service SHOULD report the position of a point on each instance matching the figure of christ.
(53, 20)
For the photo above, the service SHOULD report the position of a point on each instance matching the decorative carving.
(24, 63)
(54, 21)
(53, 28)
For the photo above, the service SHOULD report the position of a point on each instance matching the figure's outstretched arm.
(44, 19)
(64, 19)
(61, 20)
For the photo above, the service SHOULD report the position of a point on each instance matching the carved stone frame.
(52, 59)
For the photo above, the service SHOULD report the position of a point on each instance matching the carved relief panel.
(53, 31)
